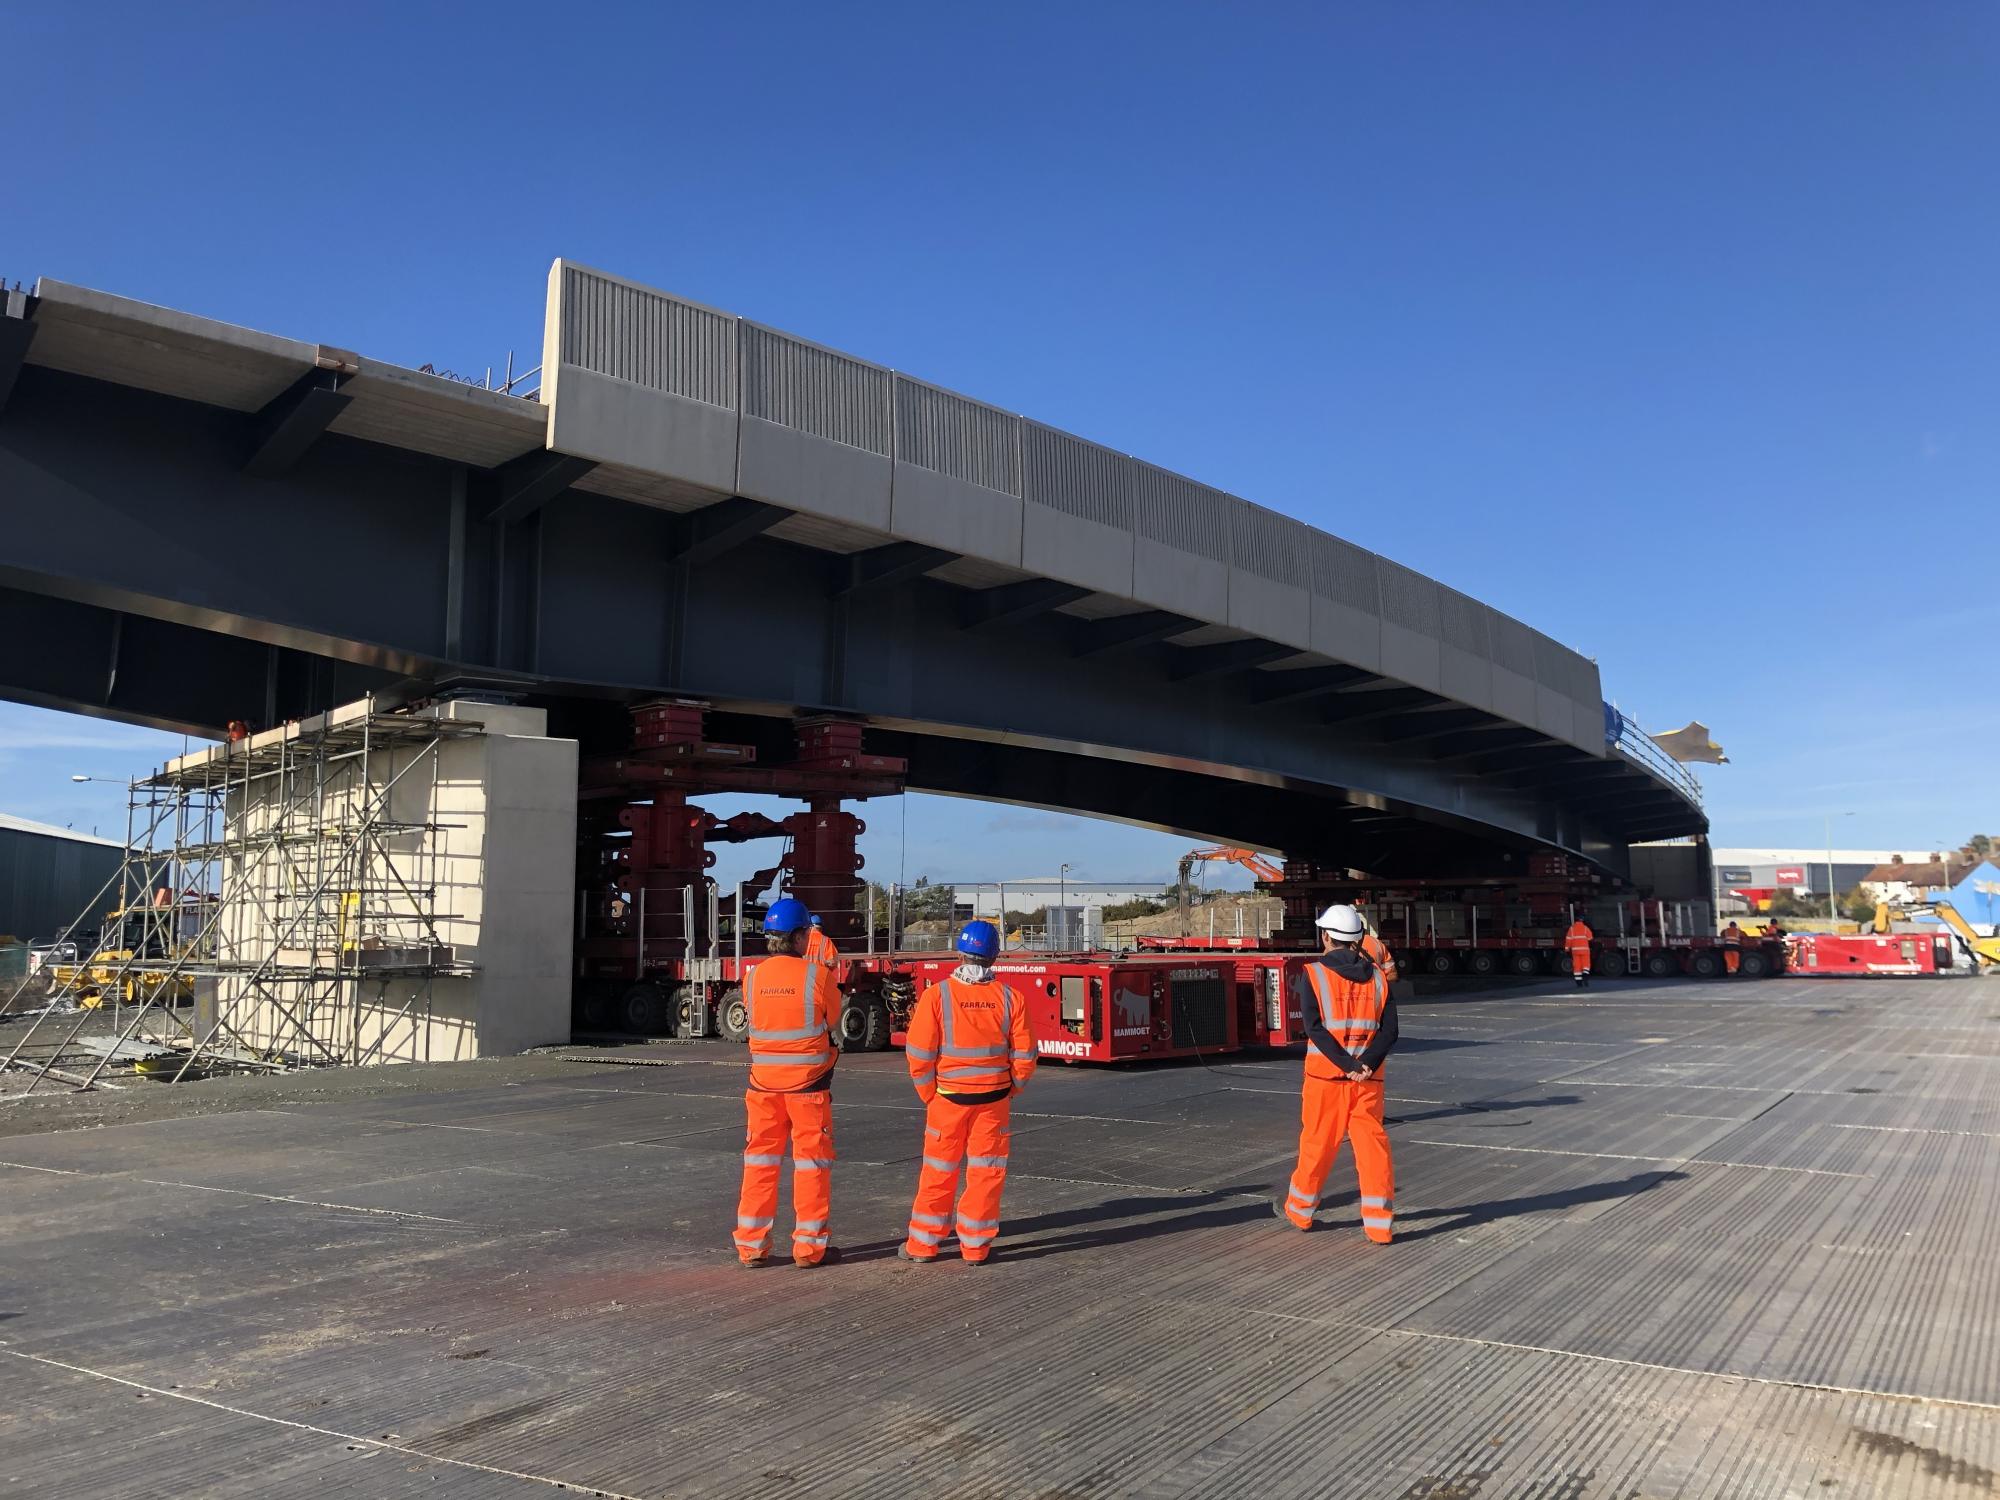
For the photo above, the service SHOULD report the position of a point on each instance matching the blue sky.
(1668, 329)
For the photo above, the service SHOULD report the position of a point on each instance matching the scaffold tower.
(281, 904)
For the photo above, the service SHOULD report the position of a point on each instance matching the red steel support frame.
(640, 836)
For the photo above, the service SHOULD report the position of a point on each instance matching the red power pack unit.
(1827, 953)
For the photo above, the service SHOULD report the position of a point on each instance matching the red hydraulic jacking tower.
(660, 946)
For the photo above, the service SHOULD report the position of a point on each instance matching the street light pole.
(1062, 899)
(1831, 915)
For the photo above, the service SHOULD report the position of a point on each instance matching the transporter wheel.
(591, 1009)
(864, 1023)
(643, 1009)
(1608, 963)
(1480, 961)
(687, 1004)
(1440, 962)
(1522, 963)
(1756, 964)
(1660, 965)
(732, 1016)
(1705, 963)
(854, 1023)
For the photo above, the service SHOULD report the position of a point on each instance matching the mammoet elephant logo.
(1135, 1008)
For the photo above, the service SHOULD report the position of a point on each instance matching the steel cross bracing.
(291, 895)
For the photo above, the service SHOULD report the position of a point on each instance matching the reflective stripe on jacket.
(792, 1003)
(969, 1039)
(1350, 1009)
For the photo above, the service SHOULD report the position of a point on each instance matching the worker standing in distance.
(970, 1051)
(794, 1010)
(1732, 947)
(820, 948)
(1377, 953)
(1577, 940)
(1350, 1031)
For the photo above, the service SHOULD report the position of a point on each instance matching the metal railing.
(1639, 747)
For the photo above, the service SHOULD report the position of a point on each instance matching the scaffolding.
(278, 907)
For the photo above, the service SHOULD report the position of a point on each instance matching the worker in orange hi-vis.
(794, 1009)
(1350, 1031)
(1377, 953)
(970, 1051)
(820, 949)
(1732, 946)
(1577, 940)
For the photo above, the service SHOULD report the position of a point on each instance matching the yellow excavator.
(1983, 951)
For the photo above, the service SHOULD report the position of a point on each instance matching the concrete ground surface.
(1655, 1240)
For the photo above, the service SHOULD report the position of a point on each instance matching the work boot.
(1278, 1213)
(903, 1253)
(981, 1260)
(755, 1264)
(830, 1258)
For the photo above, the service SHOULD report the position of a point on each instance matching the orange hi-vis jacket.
(969, 1039)
(1577, 939)
(820, 950)
(1350, 1009)
(794, 1006)
(1377, 952)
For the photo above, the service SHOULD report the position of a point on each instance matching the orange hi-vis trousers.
(806, 1120)
(977, 1136)
(1334, 1107)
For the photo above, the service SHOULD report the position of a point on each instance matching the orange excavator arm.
(1256, 864)
(1259, 867)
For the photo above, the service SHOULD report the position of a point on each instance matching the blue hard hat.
(978, 940)
(787, 915)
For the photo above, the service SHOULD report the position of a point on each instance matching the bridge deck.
(1673, 1241)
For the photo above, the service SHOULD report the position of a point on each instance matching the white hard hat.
(1344, 922)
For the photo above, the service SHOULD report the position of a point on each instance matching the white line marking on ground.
(53, 1171)
(407, 1449)
(352, 1208)
(1671, 1161)
(1971, 1135)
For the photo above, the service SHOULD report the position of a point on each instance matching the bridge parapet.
(682, 405)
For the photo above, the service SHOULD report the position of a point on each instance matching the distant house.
(1901, 883)
(1976, 897)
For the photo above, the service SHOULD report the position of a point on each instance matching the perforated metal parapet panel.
(1463, 622)
(1077, 478)
(1408, 598)
(648, 338)
(1513, 645)
(814, 390)
(948, 434)
(1344, 572)
(1268, 544)
(1584, 683)
(1200, 1012)
(1172, 509)
(1551, 668)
